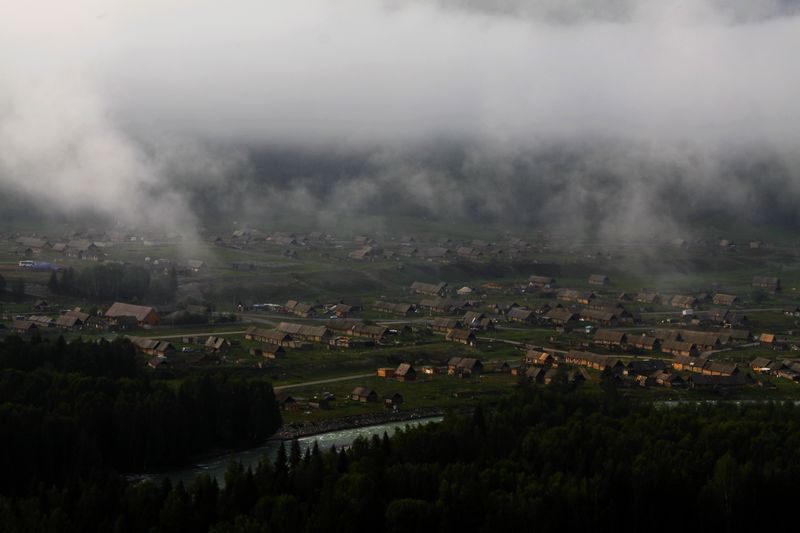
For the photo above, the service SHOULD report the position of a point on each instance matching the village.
(342, 326)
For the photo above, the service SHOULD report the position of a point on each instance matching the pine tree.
(18, 289)
(295, 455)
(52, 285)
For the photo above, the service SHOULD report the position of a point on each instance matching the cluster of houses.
(250, 236)
(290, 402)
(541, 367)
(339, 333)
(441, 250)
(369, 249)
(118, 317)
(162, 351)
(182, 268)
(786, 369)
(456, 366)
(671, 341)
(311, 310)
(404, 373)
(360, 394)
(75, 248)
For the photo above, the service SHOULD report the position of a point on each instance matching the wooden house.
(153, 347)
(478, 321)
(72, 320)
(394, 308)
(217, 344)
(370, 331)
(683, 300)
(272, 351)
(725, 299)
(143, 315)
(461, 336)
(301, 309)
(536, 357)
(715, 368)
(598, 279)
(405, 372)
(704, 340)
(269, 336)
(306, 333)
(611, 338)
(771, 284)
(445, 325)
(689, 364)
(535, 374)
(393, 400)
(552, 375)
(645, 297)
(24, 327)
(364, 395)
(385, 372)
(669, 380)
(464, 366)
(683, 348)
(605, 318)
(429, 289)
(541, 282)
(595, 361)
(644, 342)
(561, 317)
(523, 316)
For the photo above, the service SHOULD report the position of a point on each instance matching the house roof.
(370, 330)
(670, 344)
(269, 334)
(403, 369)
(760, 362)
(610, 335)
(559, 313)
(647, 297)
(597, 314)
(534, 372)
(393, 307)
(642, 340)
(140, 312)
(723, 368)
(725, 299)
(444, 322)
(428, 288)
(460, 334)
(518, 313)
(303, 330)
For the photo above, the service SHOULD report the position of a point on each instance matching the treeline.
(545, 460)
(115, 359)
(115, 282)
(70, 412)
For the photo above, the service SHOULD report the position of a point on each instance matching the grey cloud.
(568, 112)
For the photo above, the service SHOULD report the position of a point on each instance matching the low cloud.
(562, 112)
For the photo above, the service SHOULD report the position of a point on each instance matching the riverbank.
(307, 429)
(342, 434)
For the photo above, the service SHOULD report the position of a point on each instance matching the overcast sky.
(117, 94)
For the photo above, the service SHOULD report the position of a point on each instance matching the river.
(216, 466)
